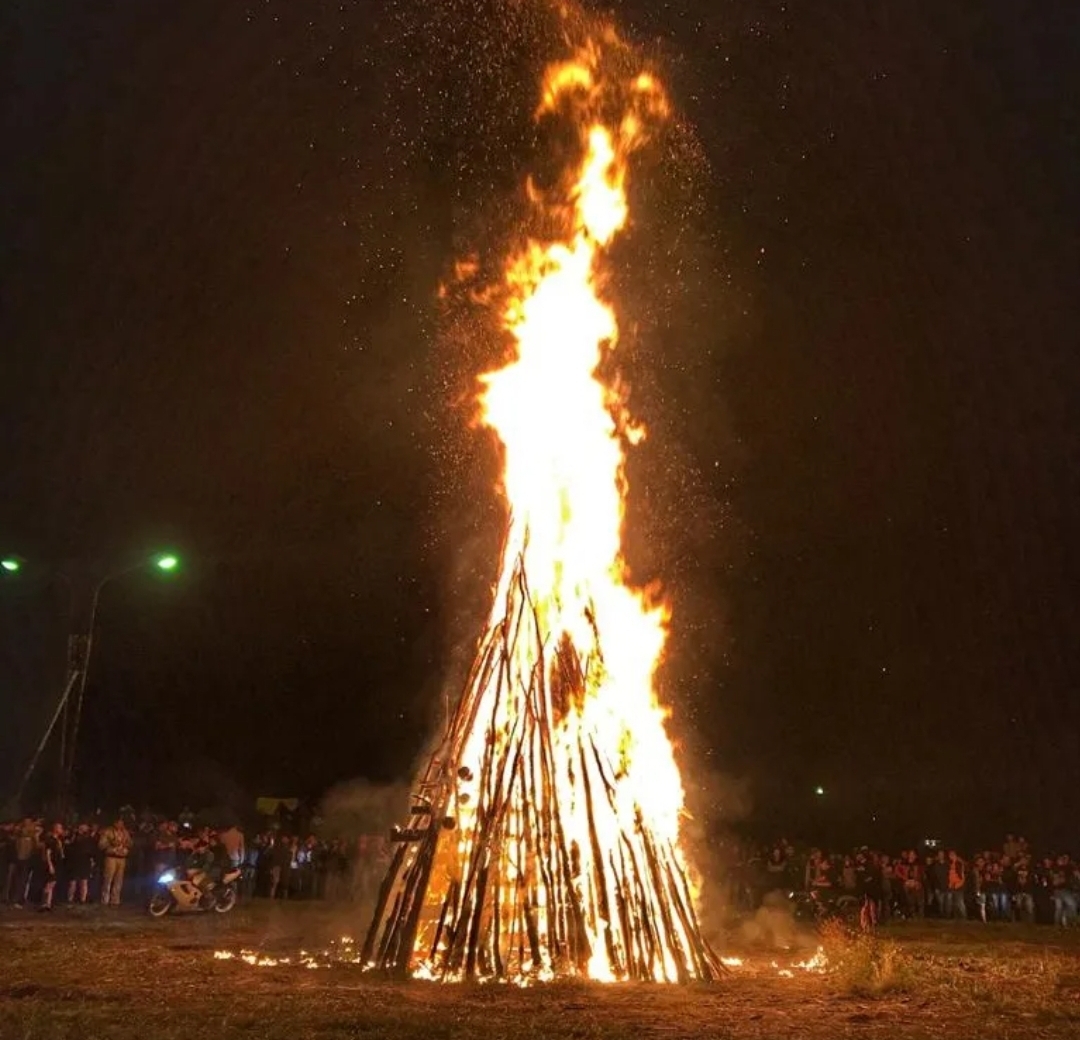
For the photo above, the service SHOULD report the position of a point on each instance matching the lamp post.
(79, 660)
(85, 588)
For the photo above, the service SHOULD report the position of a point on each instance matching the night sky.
(849, 306)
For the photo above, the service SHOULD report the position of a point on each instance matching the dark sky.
(849, 303)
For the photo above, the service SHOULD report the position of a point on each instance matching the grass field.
(118, 975)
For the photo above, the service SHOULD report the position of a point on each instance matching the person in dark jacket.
(52, 858)
(79, 859)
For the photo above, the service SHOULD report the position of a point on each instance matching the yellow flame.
(564, 476)
(564, 431)
(817, 964)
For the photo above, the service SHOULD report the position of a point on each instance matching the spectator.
(776, 870)
(1062, 880)
(957, 885)
(281, 864)
(976, 877)
(1023, 892)
(887, 871)
(913, 878)
(79, 858)
(25, 846)
(232, 841)
(52, 856)
(997, 892)
(115, 842)
(938, 878)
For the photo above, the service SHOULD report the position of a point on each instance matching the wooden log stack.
(519, 861)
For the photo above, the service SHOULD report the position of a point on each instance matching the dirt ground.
(118, 975)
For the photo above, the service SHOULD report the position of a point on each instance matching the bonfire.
(543, 839)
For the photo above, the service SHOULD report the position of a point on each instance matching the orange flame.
(543, 839)
(564, 474)
(564, 433)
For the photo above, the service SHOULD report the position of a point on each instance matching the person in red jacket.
(957, 903)
(912, 877)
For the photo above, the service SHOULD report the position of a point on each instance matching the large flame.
(564, 432)
(557, 777)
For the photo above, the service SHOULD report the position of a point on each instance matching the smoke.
(714, 802)
(358, 807)
(773, 925)
(716, 854)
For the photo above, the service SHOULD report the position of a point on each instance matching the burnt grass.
(118, 975)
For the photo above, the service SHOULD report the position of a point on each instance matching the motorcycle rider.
(200, 861)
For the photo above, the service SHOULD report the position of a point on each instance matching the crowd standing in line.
(1011, 883)
(119, 859)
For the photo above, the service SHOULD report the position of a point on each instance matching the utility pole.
(80, 642)
(84, 582)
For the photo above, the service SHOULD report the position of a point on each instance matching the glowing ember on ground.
(337, 953)
(544, 838)
(344, 953)
(816, 965)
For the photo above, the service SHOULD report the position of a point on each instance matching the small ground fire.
(544, 837)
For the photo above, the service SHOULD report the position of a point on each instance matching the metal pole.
(74, 656)
(74, 664)
(87, 643)
(72, 676)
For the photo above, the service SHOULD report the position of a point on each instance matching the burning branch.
(523, 899)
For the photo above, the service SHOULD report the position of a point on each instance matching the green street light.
(819, 791)
(85, 584)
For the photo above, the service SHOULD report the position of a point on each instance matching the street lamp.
(80, 644)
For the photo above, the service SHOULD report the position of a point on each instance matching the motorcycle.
(179, 891)
(820, 905)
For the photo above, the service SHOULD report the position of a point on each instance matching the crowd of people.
(1011, 883)
(110, 860)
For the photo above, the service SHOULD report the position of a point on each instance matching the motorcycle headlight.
(167, 878)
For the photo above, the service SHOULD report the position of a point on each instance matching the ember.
(336, 954)
(543, 840)
(816, 965)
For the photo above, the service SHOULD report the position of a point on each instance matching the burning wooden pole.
(486, 881)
